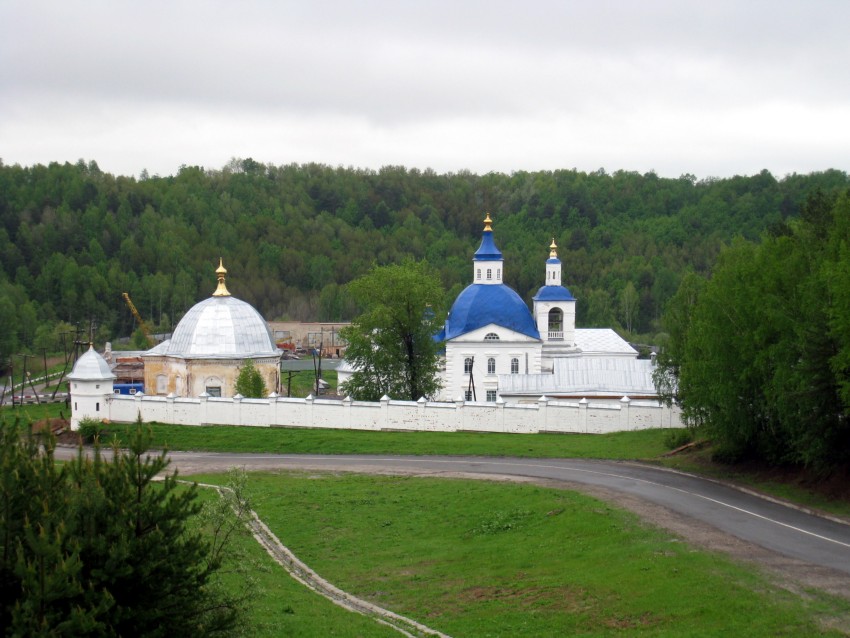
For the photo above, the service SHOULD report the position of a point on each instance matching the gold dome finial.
(487, 222)
(553, 250)
(221, 271)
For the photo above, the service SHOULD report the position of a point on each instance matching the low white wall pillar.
(137, 399)
(169, 407)
(542, 412)
(625, 402)
(309, 403)
(237, 403)
(385, 412)
(459, 422)
(582, 415)
(346, 404)
(202, 409)
(272, 413)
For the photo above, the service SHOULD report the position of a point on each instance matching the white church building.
(496, 348)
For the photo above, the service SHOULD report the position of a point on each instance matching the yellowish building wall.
(191, 377)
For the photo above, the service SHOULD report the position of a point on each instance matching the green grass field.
(473, 558)
(622, 445)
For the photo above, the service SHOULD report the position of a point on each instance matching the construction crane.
(142, 325)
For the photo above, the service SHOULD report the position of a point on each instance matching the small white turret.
(90, 387)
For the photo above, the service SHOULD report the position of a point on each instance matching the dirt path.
(310, 579)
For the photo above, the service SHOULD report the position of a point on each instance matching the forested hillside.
(73, 238)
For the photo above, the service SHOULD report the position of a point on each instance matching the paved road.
(788, 531)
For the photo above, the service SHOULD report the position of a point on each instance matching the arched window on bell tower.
(556, 324)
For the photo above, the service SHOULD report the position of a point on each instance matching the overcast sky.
(712, 88)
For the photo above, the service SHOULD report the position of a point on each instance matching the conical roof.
(91, 367)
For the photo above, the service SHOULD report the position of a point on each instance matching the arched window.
(489, 273)
(491, 336)
(491, 366)
(556, 324)
(478, 274)
(499, 274)
(467, 365)
(514, 366)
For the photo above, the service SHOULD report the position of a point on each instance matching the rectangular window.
(491, 395)
(489, 273)
(97, 407)
(468, 395)
(213, 390)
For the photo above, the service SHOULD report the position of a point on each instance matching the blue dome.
(487, 251)
(482, 304)
(553, 260)
(553, 293)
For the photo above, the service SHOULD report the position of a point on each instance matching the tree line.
(73, 238)
(759, 352)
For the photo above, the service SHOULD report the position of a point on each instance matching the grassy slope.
(622, 445)
(284, 607)
(478, 559)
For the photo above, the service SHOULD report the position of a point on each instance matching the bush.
(677, 438)
(90, 429)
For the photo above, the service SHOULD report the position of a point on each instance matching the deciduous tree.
(391, 344)
(250, 382)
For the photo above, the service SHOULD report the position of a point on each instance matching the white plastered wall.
(510, 345)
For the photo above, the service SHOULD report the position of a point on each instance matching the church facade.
(496, 348)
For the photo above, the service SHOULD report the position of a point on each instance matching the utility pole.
(67, 356)
(11, 385)
(28, 377)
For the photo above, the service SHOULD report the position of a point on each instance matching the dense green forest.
(759, 353)
(73, 238)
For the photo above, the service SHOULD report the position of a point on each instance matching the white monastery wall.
(526, 418)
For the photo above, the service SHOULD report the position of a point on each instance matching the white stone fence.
(543, 416)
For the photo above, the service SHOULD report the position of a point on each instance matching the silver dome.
(220, 327)
(91, 367)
